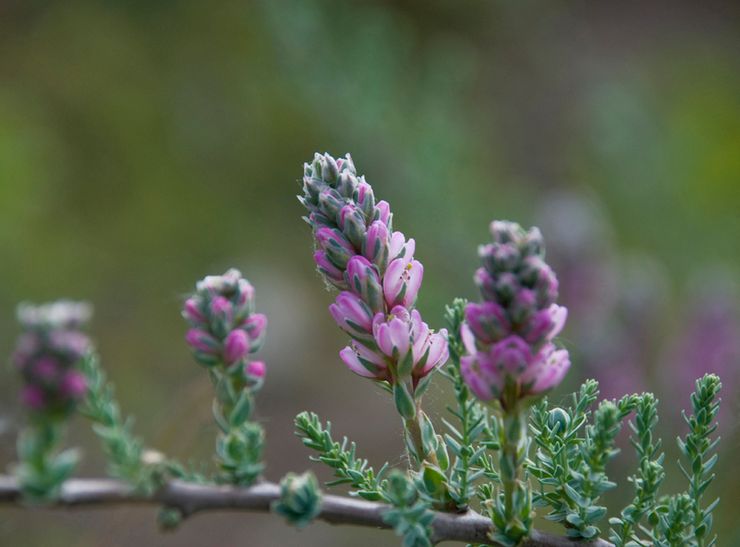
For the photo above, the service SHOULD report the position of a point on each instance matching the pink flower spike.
(236, 346)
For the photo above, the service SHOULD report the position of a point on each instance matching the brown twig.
(190, 498)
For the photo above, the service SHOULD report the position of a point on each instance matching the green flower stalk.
(225, 330)
(359, 254)
(510, 359)
(48, 355)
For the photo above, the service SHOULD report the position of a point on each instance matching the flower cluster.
(224, 328)
(508, 336)
(374, 268)
(48, 353)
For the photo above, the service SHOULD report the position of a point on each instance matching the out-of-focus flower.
(48, 353)
(508, 337)
(224, 327)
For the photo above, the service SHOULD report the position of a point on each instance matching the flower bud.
(365, 198)
(255, 369)
(331, 273)
(558, 420)
(338, 250)
(351, 221)
(486, 283)
(499, 257)
(533, 244)
(364, 362)
(504, 231)
(402, 282)
(346, 184)
(330, 202)
(222, 315)
(523, 305)
(352, 315)
(488, 321)
(383, 213)
(73, 385)
(376, 245)
(362, 279)
(236, 346)
(192, 313)
(255, 326)
(203, 342)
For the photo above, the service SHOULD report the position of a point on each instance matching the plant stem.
(413, 432)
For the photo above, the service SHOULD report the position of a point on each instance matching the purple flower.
(376, 246)
(365, 362)
(336, 247)
(390, 341)
(352, 315)
(236, 346)
(225, 327)
(74, 385)
(511, 362)
(203, 342)
(408, 342)
(383, 213)
(33, 397)
(256, 369)
(488, 321)
(362, 279)
(255, 326)
(48, 354)
(508, 336)
(402, 282)
(191, 312)
(332, 274)
(352, 222)
(400, 248)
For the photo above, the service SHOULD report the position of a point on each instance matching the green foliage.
(123, 450)
(41, 471)
(698, 448)
(410, 515)
(348, 468)
(570, 462)
(650, 473)
(300, 499)
(240, 443)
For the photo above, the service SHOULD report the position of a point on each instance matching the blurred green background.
(145, 144)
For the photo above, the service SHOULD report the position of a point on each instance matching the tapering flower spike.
(224, 327)
(374, 267)
(508, 337)
(48, 354)
(224, 331)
